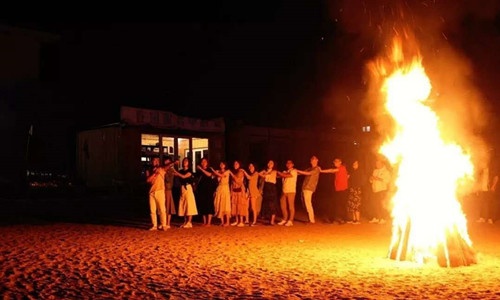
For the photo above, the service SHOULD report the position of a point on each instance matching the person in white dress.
(222, 201)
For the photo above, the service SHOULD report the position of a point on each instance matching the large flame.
(429, 168)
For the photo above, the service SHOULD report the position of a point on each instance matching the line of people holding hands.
(223, 194)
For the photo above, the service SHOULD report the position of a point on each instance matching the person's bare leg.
(209, 220)
(357, 215)
(204, 220)
(169, 218)
(253, 205)
(291, 207)
(272, 219)
(284, 210)
(241, 220)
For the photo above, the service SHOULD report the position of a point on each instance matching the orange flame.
(429, 169)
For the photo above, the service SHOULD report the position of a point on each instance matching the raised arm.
(262, 174)
(284, 174)
(169, 165)
(208, 174)
(151, 178)
(217, 173)
(232, 175)
(246, 175)
(331, 171)
(307, 173)
(187, 175)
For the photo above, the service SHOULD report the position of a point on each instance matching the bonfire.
(428, 221)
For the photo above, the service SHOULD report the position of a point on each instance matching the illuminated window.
(168, 146)
(183, 146)
(155, 145)
(200, 150)
(150, 140)
(150, 147)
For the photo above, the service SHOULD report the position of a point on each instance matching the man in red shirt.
(338, 209)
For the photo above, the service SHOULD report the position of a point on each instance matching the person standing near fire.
(487, 197)
(269, 195)
(205, 191)
(187, 202)
(169, 184)
(287, 200)
(254, 193)
(222, 201)
(339, 205)
(380, 180)
(309, 186)
(356, 182)
(157, 195)
(239, 200)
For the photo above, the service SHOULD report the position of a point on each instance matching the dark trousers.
(340, 205)
(378, 209)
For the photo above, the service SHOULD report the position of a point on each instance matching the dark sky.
(258, 62)
(295, 63)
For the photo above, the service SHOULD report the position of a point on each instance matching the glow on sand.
(428, 222)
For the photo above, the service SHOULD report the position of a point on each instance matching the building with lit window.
(120, 153)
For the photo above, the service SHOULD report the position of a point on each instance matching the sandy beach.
(64, 260)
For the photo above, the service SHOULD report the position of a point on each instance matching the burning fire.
(428, 222)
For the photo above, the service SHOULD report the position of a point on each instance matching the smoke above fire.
(432, 29)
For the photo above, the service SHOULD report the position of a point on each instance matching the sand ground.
(65, 260)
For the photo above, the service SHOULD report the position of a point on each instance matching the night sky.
(278, 63)
(224, 61)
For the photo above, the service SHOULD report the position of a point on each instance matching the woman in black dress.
(270, 196)
(187, 202)
(205, 189)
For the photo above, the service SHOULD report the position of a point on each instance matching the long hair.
(237, 161)
(254, 167)
(274, 165)
(188, 164)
